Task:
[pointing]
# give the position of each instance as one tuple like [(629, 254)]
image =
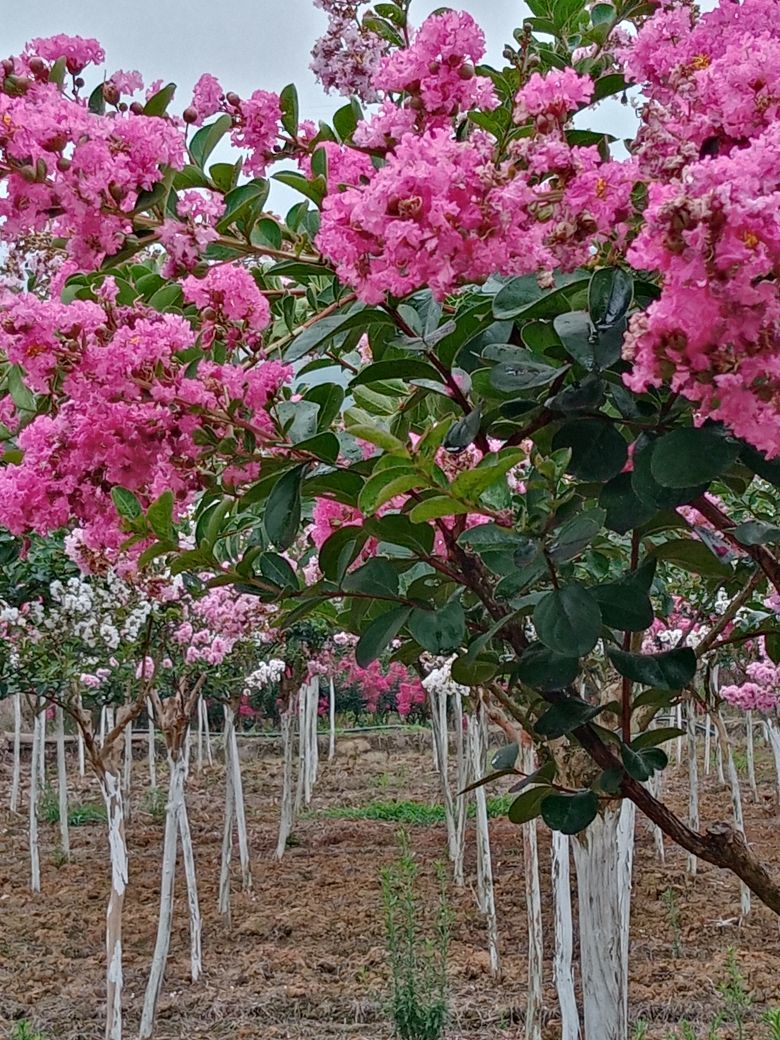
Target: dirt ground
[(305, 957)]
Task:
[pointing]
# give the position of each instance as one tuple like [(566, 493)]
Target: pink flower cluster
[(217, 622), (255, 119), (759, 692), (345, 57)]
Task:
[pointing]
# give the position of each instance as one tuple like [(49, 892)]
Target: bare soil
[(305, 956)]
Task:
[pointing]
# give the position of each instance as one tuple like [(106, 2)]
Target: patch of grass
[(24, 1031), (422, 814), (154, 803), (80, 815)]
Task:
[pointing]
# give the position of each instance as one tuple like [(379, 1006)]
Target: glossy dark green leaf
[(647, 488), (282, 514), (625, 510), (379, 634), (671, 670), (754, 532), (439, 631), (288, 103), (125, 503), (624, 605), (570, 813), (598, 451), (515, 296), (692, 555), (157, 104), (568, 620), (207, 138), (565, 716), (277, 570), (528, 805), (691, 456), (463, 431), (377, 577), (160, 517), (642, 764), (543, 669), (398, 529), (610, 293), (339, 550), (524, 373), (576, 333), (576, 534), (506, 757), (654, 737)]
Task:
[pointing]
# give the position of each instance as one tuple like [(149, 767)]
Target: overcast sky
[(245, 43)]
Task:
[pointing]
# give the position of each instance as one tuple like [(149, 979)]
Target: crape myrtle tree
[(496, 380)]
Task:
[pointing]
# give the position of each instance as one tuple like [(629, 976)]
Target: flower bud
[(79, 81), (28, 173), (110, 92), (190, 114), (137, 108), (63, 164), (233, 99), (466, 71), (37, 66)]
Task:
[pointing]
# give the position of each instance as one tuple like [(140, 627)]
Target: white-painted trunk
[(16, 779), (127, 772), (150, 745), (227, 838), (206, 731), (287, 807), (679, 741), (461, 780), (62, 784), (42, 750), (188, 858), (312, 754), (35, 863), (117, 845), (302, 740), (484, 861), (707, 744), (331, 720), (199, 760), (103, 724), (160, 956), (693, 780), (750, 751), (80, 739), (719, 757), (563, 972), (772, 731), (736, 802), (533, 897), (603, 858), (239, 811), (440, 735)]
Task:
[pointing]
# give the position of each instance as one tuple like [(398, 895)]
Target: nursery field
[(305, 956)]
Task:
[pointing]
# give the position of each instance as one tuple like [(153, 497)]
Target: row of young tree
[(489, 395)]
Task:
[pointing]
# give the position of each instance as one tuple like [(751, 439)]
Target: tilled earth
[(304, 957)]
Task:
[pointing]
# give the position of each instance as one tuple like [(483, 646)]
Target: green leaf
[(472, 482), (568, 620), (647, 488), (160, 517), (126, 504), (207, 138), (20, 393), (247, 200), (324, 446), (522, 374), (654, 737), (277, 570), (282, 515), (598, 451), (383, 486), (505, 757), (610, 293), (754, 532), (614, 83), (624, 605), (570, 813), (577, 335), (690, 456), (346, 119), (339, 550), (376, 577), (671, 670), (543, 669), (512, 298), (158, 103), (399, 368), (379, 633), (692, 555), (436, 507), (463, 431), (315, 188), (642, 764), (439, 631), (625, 510), (288, 102), (566, 716), (528, 805), (576, 534), (398, 529)]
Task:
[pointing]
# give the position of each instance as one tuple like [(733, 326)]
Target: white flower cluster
[(266, 672), (439, 680)]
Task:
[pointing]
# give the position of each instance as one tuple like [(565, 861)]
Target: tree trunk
[(302, 736), (736, 802), (35, 864), (533, 898), (286, 816), (461, 780), (199, 760), (603, 884), (188, 858), (42, 749), (157, 970), (127, 772), (112, 794), (227, 834), (485, 893), (693, 780), (773, 738), (750, 751), (707, 744), (150, 745), (17, 773), (62, 784), (206, 730), (239, 811), (331, 720), (564, 938), (80, 739)]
